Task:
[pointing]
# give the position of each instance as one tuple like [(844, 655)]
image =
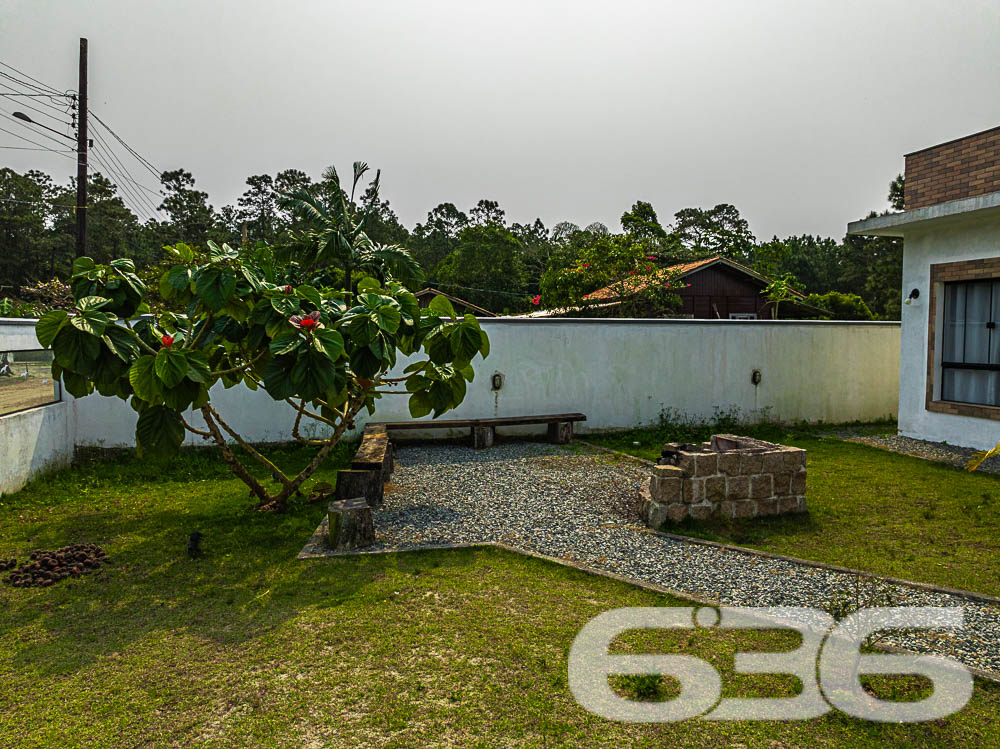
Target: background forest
[(475, 254)]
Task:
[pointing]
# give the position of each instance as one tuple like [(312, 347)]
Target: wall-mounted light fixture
[(756, 377), (914, 295), (496, 381)]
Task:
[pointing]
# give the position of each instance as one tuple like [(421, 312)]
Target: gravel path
[(939, 451), (578, 504)]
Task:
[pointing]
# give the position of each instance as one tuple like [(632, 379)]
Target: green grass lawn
[(869, 509), (250, 647)]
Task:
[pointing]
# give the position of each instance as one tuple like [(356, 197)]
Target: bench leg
[(483, 437), (561, 432), (360, 483)]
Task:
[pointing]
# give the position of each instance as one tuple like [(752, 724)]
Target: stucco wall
[(619, 373), (959, 239), (32, 442)]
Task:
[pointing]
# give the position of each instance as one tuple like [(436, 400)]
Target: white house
[(949, 382)]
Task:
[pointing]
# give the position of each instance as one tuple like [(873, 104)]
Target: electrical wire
[(29, 148), (141, 159), (25, 75), (24, 124), (36, 202), (109, 151), (36, 143), (36, 109), (137, 206)]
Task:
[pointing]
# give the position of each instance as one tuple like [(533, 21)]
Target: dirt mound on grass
[(49, 567)]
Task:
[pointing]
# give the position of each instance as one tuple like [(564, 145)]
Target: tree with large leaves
[(325, 358), (335, 233)]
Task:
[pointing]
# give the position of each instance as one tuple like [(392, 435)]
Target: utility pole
[(81, 156)]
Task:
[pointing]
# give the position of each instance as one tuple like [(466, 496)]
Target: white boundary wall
[(620, 373)]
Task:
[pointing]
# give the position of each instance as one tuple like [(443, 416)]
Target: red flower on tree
[(167, 340), (537, 299), (287, 289), (306, 322)]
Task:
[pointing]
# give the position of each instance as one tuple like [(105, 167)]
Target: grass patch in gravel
[(869, 509), (248, 646)]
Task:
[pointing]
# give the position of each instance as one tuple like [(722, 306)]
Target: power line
[(25, 75), (40, 111), (141, 159), (34, 142), (111, 153), (36, 202), (473, 288), (24, 124), (138, 207), (29, 148)]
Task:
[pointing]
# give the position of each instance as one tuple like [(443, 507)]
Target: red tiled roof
[(681, 270)]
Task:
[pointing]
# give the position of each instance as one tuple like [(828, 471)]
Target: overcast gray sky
[(796, 111)]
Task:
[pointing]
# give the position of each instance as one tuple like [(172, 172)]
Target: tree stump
[(483, 437), (352, 482), (561, 432), (351, 525)]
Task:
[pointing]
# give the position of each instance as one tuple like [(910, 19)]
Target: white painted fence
[(620, 373)]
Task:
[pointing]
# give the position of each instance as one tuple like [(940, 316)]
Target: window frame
[(967, 271)]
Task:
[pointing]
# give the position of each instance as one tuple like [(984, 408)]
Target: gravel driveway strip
[(577, 504)]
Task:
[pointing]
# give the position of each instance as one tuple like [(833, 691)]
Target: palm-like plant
[(334, 233)]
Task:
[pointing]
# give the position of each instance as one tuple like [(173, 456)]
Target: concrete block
[(761, 486)]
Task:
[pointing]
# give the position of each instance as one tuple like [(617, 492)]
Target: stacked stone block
[(732, 477)]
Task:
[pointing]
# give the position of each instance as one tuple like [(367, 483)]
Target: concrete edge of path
[(314, 550)]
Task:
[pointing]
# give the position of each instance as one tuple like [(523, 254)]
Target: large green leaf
[(77, 385), (159, 432), (76, 350), (89, 303), (198, 368), (420, 404), (328, 342), (277, 377), (182, 395), (439, 348), (174, 281), (286, 306), (171, 366), (121, 342), (215, 287), (93, 323), (365, 363), (441, 307), (48, 325), (465, 341), (83, 265), (387, 318), (310, 294), (143, 380), (313, 374), (286, 343)]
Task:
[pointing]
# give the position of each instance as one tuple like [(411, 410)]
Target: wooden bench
[(484, 430), (370, 468)]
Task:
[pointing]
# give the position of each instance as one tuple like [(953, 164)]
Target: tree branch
[(275, 471)]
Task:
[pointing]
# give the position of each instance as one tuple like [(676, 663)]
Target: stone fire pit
[(731, 477)]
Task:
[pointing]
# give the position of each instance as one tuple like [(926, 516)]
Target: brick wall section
[(958, 169), (731, 477)]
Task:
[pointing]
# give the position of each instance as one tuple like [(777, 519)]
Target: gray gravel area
[(578, 504), (939, 451)]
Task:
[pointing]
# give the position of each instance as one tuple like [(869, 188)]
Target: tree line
[(475, 254)]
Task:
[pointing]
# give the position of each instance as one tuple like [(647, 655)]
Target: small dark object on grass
[(49, 567), (194, 545), (7, 564)]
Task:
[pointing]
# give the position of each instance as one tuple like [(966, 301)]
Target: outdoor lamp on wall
[(497, 381), (914, 294)]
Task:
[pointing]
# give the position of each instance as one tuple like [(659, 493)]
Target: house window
[(970, 343), (963, 339)]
